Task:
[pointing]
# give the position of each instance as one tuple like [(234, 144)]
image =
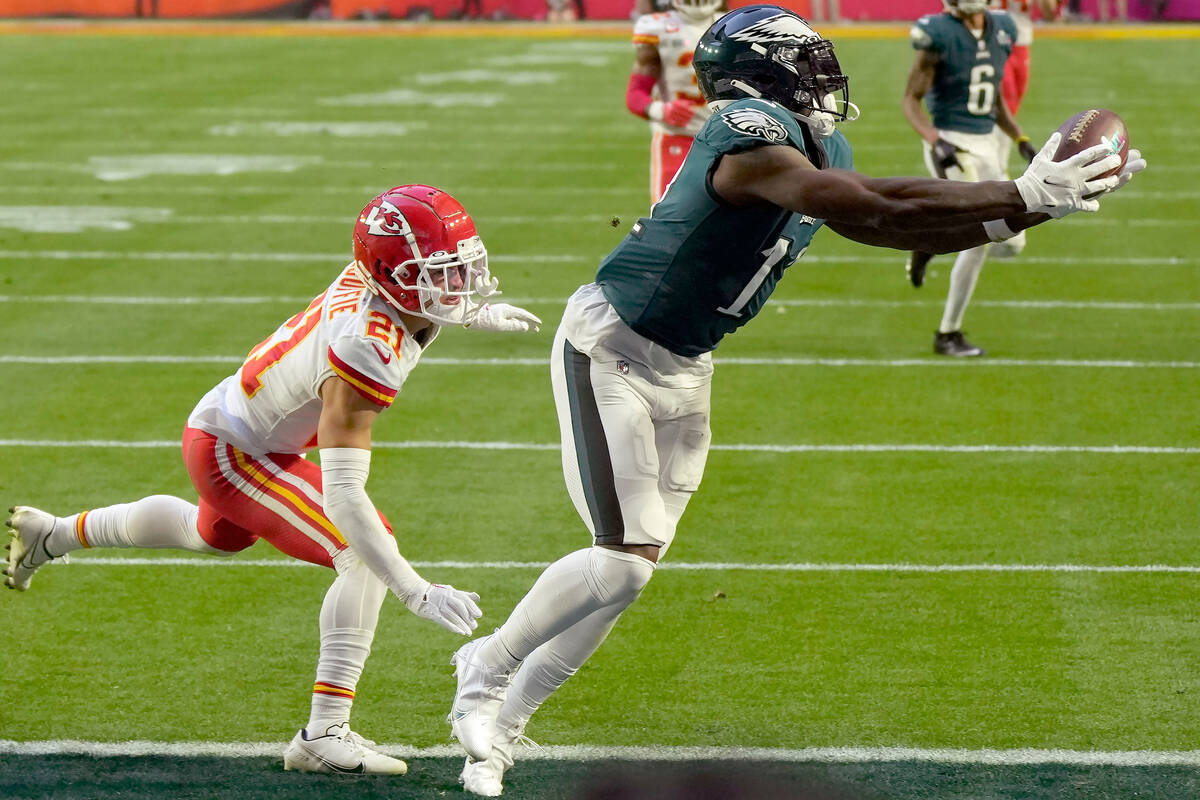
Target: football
[(1092, 127)]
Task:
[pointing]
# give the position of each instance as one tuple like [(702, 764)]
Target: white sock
[(570, 590), (159, 521), (549, 666), (962, 283), (349, 615)]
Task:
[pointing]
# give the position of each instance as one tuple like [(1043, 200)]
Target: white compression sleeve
[(344, 484)]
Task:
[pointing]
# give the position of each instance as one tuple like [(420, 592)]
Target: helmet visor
[(820, 84)]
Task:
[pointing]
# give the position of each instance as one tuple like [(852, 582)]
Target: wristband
[(997, 230)]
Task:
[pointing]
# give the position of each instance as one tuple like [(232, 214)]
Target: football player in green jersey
[(632, 360), (958, 68)]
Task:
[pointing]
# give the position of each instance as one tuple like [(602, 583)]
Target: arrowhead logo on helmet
[(386, 220)]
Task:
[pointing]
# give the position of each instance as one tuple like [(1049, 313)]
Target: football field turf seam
[(286, 563), (1032, 449), (825, 755), (785, 361)]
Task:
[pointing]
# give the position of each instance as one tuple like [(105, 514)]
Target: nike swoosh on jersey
[(383, 354)]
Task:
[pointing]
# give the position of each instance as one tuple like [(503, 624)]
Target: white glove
[(1133, 165), (505, 318), (453, 609), (1059, 188)]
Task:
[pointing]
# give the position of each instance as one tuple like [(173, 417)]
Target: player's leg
[(155, 522), (672, 151), (279, 498), (611, 470), (977, 160), (682, 446)]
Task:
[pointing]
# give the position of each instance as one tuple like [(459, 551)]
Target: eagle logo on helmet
[(386, 220), (779, 28), (755, 123)]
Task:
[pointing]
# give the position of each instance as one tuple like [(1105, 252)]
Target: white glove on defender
[(505, 318), (453, 609), (1059, 188)]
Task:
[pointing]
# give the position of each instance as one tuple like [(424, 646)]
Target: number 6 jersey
[(272, 403)]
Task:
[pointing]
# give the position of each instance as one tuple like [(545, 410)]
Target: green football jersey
[(966, 81), (698, 268)]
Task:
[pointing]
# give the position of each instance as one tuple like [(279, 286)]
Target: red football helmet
[(417, 248)]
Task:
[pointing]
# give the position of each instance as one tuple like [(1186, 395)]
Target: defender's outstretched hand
[(453, 609), (505, 318), (1059, 188)]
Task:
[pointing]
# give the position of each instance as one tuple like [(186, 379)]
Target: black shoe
[(914, 268), (955, 344)]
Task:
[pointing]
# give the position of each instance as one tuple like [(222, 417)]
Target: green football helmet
[(770, 52)]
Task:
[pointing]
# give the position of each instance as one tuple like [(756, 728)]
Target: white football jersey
[(676, 40), (1020, 12), (272, 403)]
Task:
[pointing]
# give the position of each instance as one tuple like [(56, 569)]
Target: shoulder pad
[(754, 119)]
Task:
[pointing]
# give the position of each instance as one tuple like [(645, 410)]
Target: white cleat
[(486, 778), (339, 750), (477, 700), (29, 528)]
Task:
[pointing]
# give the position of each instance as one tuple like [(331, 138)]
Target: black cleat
[(955, 344), (914, 268)]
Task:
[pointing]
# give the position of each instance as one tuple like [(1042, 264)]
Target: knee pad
[(616, 577)]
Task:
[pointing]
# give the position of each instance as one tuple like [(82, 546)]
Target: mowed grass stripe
[(829, 755), (524, 258), (1033, 449), (683, 566), (785, 361), (800, 302)]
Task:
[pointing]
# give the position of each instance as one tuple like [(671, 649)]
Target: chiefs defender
[(662, 86), (320, 380)]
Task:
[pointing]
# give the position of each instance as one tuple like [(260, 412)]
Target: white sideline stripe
[(741, 448), (823, 755), (183, 255), (1108, 305), (542, 362), (117, 561)]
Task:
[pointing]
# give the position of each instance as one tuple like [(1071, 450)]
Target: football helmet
[(416, 247), (965, 8), (771, 52), (698, 11)]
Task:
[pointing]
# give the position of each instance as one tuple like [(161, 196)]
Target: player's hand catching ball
[(453, 609), (679, 113), (1059, 188)]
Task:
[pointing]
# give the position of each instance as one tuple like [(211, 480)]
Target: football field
[(903, 576)]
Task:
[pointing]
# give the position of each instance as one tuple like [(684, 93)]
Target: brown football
[(1092, 127)]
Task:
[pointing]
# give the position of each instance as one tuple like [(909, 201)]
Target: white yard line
[(799, 302), (781, 361), (587, 753), (1039, 449), (289, 563), (524, 258)]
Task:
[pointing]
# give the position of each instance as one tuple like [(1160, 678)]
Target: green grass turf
[(960, 660)]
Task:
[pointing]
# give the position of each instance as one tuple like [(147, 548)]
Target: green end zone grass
[(1082, 661)]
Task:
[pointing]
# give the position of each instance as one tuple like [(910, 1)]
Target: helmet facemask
[(965, 8), (449, 288), (699, 12), (807, 80)]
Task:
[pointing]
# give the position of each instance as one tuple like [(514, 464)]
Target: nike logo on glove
[(383, 353)]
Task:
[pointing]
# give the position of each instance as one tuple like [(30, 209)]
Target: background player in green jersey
[(958, 68), (632, 361)]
